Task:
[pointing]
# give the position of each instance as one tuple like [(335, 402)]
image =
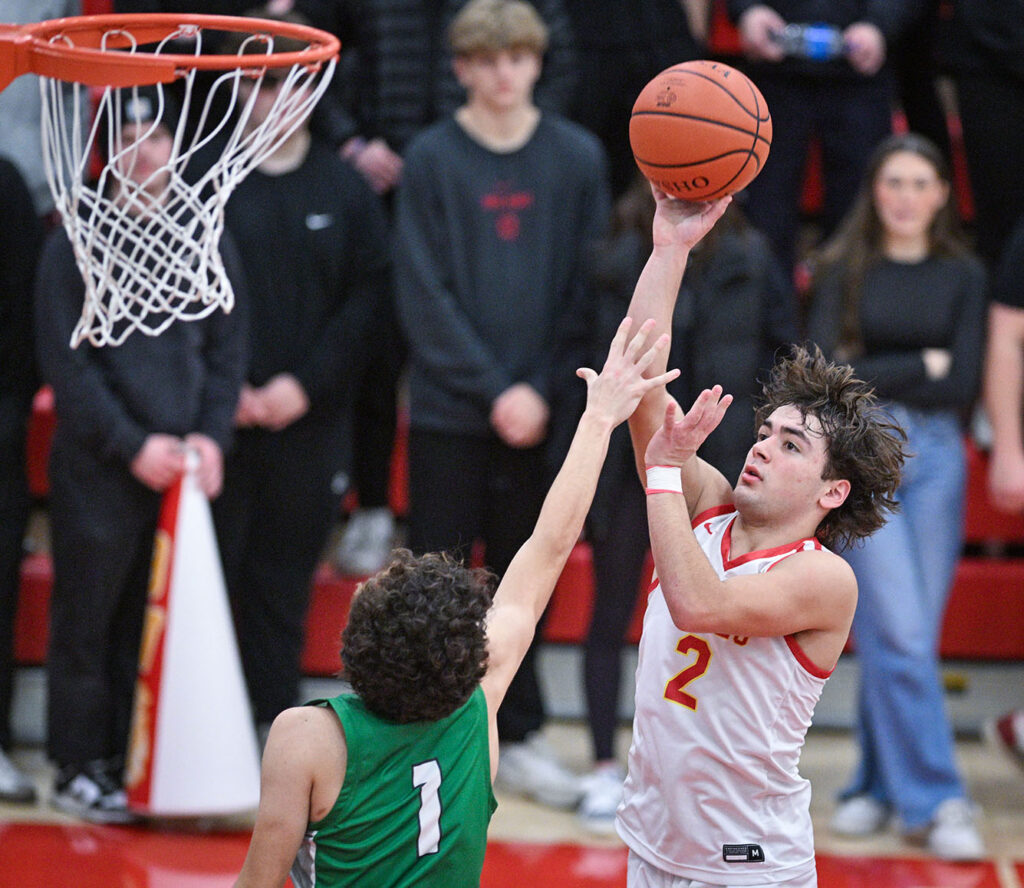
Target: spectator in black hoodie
[(125, 417)]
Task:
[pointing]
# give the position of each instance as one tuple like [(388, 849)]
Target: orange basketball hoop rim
[(85, 49)]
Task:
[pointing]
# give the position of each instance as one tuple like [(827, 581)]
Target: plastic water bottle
[(819, 42)]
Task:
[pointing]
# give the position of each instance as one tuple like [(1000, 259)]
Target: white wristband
[(664, 479)]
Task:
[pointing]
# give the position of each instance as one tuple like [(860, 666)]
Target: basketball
[(700, 130)]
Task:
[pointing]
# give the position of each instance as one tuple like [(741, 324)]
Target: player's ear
[(836, 492)]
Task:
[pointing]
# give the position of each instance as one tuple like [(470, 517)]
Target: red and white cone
[(193, 749)]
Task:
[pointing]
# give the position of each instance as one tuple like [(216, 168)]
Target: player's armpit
[(295, 750)]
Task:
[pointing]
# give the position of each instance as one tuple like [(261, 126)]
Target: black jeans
[(14, 510), (992, 116), (464, 488), (619, 551), (102, 523), (849, 118), (272, 520)]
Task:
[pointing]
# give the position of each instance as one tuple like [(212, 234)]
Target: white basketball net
[(146, 262)]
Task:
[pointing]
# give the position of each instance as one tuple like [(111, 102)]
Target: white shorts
[(641, 874)]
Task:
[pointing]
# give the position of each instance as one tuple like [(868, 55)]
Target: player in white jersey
[(749, 610)]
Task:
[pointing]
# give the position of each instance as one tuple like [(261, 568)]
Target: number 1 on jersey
[(427, 776)]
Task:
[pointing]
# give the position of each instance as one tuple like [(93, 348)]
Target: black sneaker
[(90, 792)]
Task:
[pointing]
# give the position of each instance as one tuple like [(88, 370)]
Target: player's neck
[(289, 155), (500, 130), (756, 533)]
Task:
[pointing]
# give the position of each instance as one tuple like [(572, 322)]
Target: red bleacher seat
[(984, 524), (985, 615), (31, 626), (984, 620), (41, 424), (329, 603)]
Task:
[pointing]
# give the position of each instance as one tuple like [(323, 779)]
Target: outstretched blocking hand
[(677, 440), (615, 392), (683, 223)]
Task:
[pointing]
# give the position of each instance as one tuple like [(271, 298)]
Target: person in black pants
[(125, 417), (20, 239), (312, 237), (497, 206), (398, 80), (984, 52), (1002, 391), (844, 98)]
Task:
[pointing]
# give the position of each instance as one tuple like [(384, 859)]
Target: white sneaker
[(365, 544), (531, 769), (953, 834), (602, 793), (15, 785), (859, 816)]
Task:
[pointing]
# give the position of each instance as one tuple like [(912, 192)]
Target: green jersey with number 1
[(414, 806)]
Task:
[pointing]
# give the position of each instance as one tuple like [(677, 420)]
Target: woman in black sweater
[(897, 294)]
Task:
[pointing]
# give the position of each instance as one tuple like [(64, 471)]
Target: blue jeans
[(904, 574)]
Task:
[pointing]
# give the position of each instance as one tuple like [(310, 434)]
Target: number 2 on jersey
[(674, 689), (427, 776)]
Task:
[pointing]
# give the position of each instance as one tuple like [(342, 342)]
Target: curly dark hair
[(415, 645), (865, 445)]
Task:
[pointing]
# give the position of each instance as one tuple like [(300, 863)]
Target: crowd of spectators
[(319, 402)]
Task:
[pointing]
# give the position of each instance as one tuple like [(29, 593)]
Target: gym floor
[(529, 844)]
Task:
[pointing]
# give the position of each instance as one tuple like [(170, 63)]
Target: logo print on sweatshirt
[(506, 204)]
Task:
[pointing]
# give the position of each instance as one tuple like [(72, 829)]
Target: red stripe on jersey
[(713, 512), (785, 549), (804, 660)]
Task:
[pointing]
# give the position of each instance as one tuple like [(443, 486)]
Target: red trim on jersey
[(804, 660), (785, 549), (713, 512)]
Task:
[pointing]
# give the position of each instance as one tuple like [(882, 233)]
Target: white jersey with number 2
[(713, 792)]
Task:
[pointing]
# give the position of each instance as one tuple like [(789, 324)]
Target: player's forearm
[(689, 583), (568, 501), (530, 579), (656, 292)]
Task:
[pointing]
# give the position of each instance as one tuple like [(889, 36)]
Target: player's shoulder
[(315, 728), (822, 567), (311, 716)]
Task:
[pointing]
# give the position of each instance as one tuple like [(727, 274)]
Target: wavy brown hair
[(415, 646), (865, 445)]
